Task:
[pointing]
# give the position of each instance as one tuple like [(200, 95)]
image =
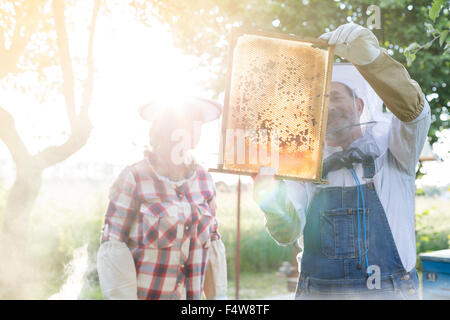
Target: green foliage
[(28, 47), (430, 240), (420, 192), (432, 191), (254, 285), (432, 225), (440, 33), (436, 8), (61, 223), (259, 252)]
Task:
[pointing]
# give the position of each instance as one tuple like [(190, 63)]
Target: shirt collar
[(150, 156)]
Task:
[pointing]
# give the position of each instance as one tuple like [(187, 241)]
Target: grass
[(258, 285), (251, 286), (438, 213), (259, 252)]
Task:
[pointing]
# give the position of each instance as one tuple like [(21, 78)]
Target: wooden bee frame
[(276, 83)]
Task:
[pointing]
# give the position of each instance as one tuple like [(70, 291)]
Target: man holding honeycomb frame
[(357, 231)]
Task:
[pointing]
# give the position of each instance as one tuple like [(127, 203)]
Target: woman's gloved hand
[(116, 271), (354, 43)]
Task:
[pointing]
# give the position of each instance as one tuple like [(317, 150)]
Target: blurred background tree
[(34, 44), (202, 28), (438, 30)]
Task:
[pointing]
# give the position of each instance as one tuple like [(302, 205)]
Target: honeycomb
[(276, 97)]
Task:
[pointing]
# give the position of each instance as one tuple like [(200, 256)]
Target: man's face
[(343, 112)]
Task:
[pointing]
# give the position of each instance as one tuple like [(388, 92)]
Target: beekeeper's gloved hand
[(354, 43), (264, 183)]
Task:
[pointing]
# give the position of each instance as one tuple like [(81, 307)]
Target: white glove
[(215, 285), (116, 271), (354, 43), (263, 183)]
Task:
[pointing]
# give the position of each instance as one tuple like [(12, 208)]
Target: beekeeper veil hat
[(192, 108), (373, 120), (347, 74), (179, 115)]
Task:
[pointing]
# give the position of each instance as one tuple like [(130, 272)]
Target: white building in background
[(65, 171), (79, 171)]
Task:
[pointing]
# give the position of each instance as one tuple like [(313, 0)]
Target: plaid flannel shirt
[(168, 229)]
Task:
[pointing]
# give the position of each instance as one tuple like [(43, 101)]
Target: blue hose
[(360, 190)]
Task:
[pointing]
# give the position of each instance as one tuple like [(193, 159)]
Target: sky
[(134, 63)]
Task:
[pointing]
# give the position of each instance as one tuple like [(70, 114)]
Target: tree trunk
[(17, 276), (17, 273), (21, 199)]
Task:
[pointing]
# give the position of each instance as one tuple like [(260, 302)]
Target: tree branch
[(89, 83), (12, 140), (81, 126), (27, 21), (52, 155), (66, 61)]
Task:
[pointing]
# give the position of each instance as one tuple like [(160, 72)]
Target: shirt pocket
[(204, 223), (338, 232), (160, 225)]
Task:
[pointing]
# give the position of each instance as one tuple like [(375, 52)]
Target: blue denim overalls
[(334, 262)]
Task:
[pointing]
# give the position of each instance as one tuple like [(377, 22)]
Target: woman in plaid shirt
[(161, 219)]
